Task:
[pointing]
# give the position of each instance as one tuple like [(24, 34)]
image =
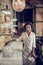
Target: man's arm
[(21, 37), (34, 46)]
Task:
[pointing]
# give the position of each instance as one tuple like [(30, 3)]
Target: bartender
[(28, 38)]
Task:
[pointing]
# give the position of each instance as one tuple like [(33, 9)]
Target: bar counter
[(12, 54)]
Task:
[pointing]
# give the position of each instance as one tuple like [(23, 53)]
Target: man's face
[(28, 28)]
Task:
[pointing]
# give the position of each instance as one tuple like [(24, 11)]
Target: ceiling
[(32, 1)]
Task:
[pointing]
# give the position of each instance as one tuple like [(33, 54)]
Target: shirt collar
[(29, 35)]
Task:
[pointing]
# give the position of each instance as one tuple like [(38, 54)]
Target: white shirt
[(29, 41)]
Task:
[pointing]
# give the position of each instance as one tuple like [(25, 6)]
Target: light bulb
[(18, 5)]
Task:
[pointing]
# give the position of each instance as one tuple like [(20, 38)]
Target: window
[(39, 20)]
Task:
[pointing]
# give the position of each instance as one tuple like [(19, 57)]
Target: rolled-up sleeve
[(34, 41)]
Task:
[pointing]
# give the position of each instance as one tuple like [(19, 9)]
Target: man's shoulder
[(32, 33), (24, 33)]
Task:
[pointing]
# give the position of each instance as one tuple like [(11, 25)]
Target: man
[(28, 38)]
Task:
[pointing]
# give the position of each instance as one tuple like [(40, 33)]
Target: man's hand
[(33, 55), (17, 40)]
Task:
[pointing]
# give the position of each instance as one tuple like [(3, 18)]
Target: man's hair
[(29, 23)]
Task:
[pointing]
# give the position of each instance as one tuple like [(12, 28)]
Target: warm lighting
[(6, 12), (23, 24), (18, 5)]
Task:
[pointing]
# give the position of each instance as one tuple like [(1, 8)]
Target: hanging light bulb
[(18, 5)]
